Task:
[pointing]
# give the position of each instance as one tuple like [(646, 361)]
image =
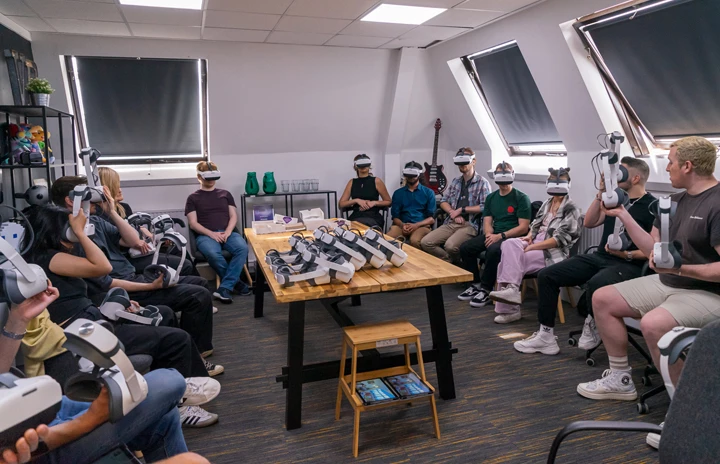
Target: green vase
[(269, 185), (251, 184)]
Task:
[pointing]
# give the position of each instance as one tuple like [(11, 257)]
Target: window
[(508, 90), (660, 63), (139, 110)]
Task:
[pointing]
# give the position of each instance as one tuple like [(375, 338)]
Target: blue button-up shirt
[(478, 190), (413, 206)]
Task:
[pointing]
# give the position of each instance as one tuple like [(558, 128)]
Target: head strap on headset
[(363, 161), (210, 174), (412, 169), (505, 176), (90, 157), (170, 276), (558, 186), (462, 157)]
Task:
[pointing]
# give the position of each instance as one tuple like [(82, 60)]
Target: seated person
[(81, 432), (366, 194), (506, 214), (413, 207), (552, 234), (463, 201), (212, 215), (190, 296), (688, 295), (111, 179), (604, 267)]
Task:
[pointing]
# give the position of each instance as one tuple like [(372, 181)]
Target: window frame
[(75, 93), (536, 149)]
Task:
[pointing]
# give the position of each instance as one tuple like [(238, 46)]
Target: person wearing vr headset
[(594, 270), (212, 215), (552, 234), (686, 289), (190, 296), (365, 194), (413, 207), (463, 201), (506, 214)]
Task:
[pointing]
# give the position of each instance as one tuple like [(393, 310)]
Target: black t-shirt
[(696, 225), (107, 238), (640, 212), (73, 297)]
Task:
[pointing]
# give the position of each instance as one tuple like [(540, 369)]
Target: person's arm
[(128, 235), (487, 226), (594, 216), (138, 286), (520, 230), (195, 226), (395, 210), (708, 272), (94, 264), (636, 254), (643, 240), (232, 221), (384, 195), (345, 201), (567, 232)]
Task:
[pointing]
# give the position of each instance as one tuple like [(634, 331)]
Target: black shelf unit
[(45, 113), (289, 210)]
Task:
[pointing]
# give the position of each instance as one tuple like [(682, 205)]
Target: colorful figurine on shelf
[(25, 147), (38, 136)]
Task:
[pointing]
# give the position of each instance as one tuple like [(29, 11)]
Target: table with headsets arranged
[(420, 270)]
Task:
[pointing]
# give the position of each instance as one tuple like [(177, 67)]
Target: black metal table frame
[(290, 211), (296, 373)]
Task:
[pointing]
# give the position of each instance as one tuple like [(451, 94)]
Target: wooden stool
[(371, 336)]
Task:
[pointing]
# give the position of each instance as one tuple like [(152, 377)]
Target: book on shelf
[(381, 390)]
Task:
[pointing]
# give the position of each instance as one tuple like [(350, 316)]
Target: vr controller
[(392, 249), (672, 347), (116, 307), (667, 254), (170, 276), (138, 221)]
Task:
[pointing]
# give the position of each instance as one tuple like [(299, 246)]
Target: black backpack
[(534, 208)]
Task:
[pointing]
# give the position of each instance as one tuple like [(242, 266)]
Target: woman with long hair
[(111, 179), (365, 194)]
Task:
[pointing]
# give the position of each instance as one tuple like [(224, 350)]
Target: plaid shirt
[(478, 190), (564, 228)]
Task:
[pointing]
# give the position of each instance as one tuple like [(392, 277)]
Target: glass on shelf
[(315, 185), (306, 185), (285, 185), (297, 185)]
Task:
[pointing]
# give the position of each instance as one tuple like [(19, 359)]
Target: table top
[(420, 270)]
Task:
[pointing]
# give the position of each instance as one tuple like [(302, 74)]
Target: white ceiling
[(307, 22)]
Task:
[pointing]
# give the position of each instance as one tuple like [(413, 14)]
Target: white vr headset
[(412, 171), (375, 257), (337, 266), (116, 308), (170, 276), (558, 187), (506, 175), (140, 221), (81, 197), (310, 273), (210, 174), (363, 161), (462, 158), (161, 224), (392, 249), (667, 254), (90, 156), (330, 242), (673, 346), (26, 404)]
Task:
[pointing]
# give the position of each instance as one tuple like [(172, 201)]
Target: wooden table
[(421, 270)]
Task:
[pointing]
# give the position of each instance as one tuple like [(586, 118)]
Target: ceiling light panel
[(183, 4), (402, 14)]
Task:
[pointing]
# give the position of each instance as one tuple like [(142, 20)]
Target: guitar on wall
[(434, 175)]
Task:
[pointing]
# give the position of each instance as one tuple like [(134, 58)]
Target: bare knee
[(655, 324), (602, 301)]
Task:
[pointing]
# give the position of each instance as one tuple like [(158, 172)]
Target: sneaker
[(215, 310), (653, 439), (469, 293), (244, 291), (614, 385), (200, 390), (196, 417), (508, 317), (590, 337), (207, 354), (536, 343), (213, 369), (480, 300), (509, 295), (224, 295)]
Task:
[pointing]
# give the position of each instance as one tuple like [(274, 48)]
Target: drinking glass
[(296, 185), (306, 185), (285, 184), (315, 183)]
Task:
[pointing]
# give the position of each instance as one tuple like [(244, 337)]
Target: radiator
[(589, 238)]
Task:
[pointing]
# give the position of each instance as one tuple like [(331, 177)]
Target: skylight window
[(401, 14), (183, 4)]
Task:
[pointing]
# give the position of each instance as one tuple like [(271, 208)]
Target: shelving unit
[(12, 113)]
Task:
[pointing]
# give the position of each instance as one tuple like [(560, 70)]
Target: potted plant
[(40, 90)]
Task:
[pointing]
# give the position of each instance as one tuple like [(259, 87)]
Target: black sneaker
[(243, 290), (481, 299), (469, 293), (224, 295), (213, 369)]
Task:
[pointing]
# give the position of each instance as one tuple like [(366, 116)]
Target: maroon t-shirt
[(211, 207)]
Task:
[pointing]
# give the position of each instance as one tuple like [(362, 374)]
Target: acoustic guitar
[(434, 174)]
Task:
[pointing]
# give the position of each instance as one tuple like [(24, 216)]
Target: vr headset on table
[(558, 186), (372, 255), (462, 158), (505, 176), (392, 249), (337, 267), (210, 174), (363, 161), (331, 242)]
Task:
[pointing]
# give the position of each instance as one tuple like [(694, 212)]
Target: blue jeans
[(153, 427), (229, 272)]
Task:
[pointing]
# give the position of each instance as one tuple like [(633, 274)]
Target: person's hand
[(99, 410), (217, 236), (411, 228), (527, 238), (134, 307), (77, 223), (143, 246), (157, 284), (602, 183), (612, 212), (405, 228), (24, 447), (364, 205), (33, 306), (492, 238), (459, 220), (531, 247), (185, 458), (673, 271), (109, 204), (455, 213), (613, 252)]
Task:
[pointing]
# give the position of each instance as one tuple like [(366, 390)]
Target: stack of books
[(384, 389)]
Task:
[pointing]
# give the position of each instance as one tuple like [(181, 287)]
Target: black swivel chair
[(345, 212)]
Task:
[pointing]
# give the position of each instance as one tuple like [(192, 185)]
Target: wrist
[(16, 324)]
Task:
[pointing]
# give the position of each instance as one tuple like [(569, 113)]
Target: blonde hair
[(203, 166), (699, 151), (111, 179)]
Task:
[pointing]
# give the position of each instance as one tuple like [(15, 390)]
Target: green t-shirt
[(506, 210)]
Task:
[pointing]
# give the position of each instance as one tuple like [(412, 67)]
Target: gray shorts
[(690, 308)]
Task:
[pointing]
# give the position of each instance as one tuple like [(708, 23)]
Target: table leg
[(296, 340), (355, 300), (259, 289), (441, 342)]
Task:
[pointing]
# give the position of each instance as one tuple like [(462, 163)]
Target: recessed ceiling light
[(184, 4), (401, 14)]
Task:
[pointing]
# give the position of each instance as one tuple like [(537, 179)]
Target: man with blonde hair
[(686, 295)]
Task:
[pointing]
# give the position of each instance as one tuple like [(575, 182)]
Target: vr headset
[(330, 242), (90, 156), (412, 171), (392, 249), (372, 255), (25, 404), (116, 308), (337, 267), (667, 254), (673, 346), (310, 273), (210, 174), (81, 197), (363, 161), (138, 221), (462, 158), (505, 176), (558, 187), (170, 276), (614, 173), (161, 224)]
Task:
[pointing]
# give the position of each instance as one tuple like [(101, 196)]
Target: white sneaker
[(509, 295), (200, 390), (196, 417), (215, 310), (536, 343), (507, 318), (653, 439), (614, 385), (590, 337)]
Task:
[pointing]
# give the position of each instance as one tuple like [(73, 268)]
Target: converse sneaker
[(653, 439), (480, 300), (469, 293), (196, 417), (207, 354), (507, 317), (213, 369), (536, 343), (215, 310), (200, 390), (509, 295), (590, 337), (614, 385)]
